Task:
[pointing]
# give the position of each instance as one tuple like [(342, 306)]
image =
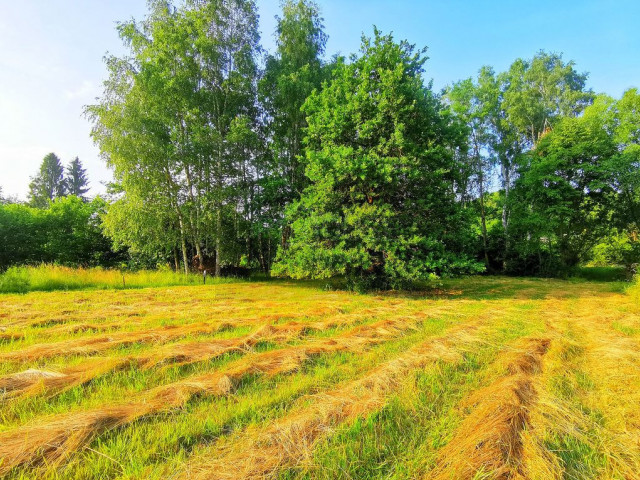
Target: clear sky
[(51, 56)]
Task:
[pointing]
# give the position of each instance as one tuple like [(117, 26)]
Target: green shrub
[(15, 280)]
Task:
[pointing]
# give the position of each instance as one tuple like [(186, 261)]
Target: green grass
[(47, 278), (602, 274), (402, 439)]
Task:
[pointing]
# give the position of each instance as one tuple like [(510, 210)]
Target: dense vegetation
[(313, 167)]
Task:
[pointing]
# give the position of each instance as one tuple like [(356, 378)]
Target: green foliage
[(68, 233), (613, 249), (602, 274), (573, 188), (380, 208), (634, 289), (560, 200), (177, 124), (48, 184), (15, 280), (541, 91), (76, 181)]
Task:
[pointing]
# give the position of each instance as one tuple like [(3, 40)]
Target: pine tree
[(381, 205)]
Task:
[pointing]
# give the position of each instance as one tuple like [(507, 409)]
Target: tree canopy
[(381, 206), (307, 165)]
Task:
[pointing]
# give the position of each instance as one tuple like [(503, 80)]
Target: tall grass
[(54, 277), (634, 289)]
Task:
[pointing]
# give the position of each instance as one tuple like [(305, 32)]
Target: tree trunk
[(218, 243), (483, 219), (505, 212), (183, 243)]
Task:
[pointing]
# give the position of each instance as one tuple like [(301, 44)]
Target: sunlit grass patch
[(54, 277), (257, 357)]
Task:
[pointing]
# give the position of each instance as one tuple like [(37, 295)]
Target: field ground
[(484, 378)]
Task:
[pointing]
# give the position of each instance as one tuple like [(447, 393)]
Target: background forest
[(311, 166)]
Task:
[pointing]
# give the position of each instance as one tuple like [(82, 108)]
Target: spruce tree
[(49, 183), (76, 181)]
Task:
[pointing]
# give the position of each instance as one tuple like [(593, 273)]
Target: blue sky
[(51, 56)]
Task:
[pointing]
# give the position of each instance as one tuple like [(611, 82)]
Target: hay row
[(97, 344), (490, 438), (260, 453), (610, 363), (35, 381), (7, 337), (54, 439)]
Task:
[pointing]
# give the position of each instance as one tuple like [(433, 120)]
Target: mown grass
[(585, 419)]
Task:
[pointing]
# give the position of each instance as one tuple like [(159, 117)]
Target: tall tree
[(540, 91), (227, 47), (49, 183), (562, 199), (469, 102), (381, 205), (76, 181), (167, 119), (291, 74)]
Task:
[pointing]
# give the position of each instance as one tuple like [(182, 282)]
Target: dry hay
[(29, 383), (18, 384), (10, 337), (34, 381), (290, 441), (602, 413), (92, 345), (54, 439), (490, 438)]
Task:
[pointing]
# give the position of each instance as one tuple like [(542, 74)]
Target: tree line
[(55, 181), (311, 166), (58, 223)]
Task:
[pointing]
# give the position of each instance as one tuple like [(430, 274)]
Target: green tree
[(471, 103), (169, 115), (49, 183), (541, 91), (290, 76), (76, 181), (565, 193), (381, 206), (67, 232)]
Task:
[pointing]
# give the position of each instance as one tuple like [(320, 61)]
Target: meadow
[(480, 378)]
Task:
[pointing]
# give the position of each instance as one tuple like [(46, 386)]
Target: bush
[(15, 280)]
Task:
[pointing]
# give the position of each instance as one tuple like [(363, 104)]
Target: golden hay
[(489, 439), (92, 345), (54, 439), (10, 337), (18, 384), (33, 382), (289, 441)]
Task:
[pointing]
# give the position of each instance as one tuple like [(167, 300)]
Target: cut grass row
[(341, 343), (414, 415)]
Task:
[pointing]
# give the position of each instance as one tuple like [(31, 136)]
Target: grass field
[(484, 378)]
